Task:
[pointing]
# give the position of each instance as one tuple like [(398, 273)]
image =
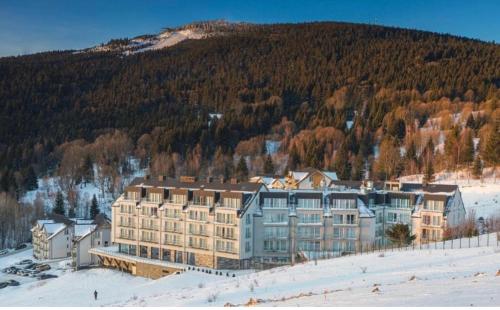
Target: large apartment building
[(206, 223), (227, 225)]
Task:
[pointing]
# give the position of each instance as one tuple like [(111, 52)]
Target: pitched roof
[(174, 183), (430, 188)]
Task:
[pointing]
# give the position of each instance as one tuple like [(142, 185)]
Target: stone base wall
[(228, 263), (204, 260)]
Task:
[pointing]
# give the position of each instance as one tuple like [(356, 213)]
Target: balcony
[(128, 225), (198, 233), (227, 250), (176, 230), (151, 240), (172, 242), (226, 236), (127, 237), (150, 227), (199, 246)]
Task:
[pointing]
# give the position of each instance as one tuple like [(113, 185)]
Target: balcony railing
[(172, 242), (146, 239), (129, 225), (150, 227), (128, 237), (226, 236)]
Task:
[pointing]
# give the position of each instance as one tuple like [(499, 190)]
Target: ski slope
[(460, 277)]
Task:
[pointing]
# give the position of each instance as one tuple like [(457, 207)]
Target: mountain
[(315, 86), (169, 37)]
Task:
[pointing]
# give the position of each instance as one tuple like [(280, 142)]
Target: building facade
[(237, 225), (96, 233), (205, 223)]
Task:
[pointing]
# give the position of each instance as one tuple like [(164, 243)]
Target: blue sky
[(28, 26)]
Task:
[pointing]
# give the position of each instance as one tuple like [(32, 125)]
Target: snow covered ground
[(460, 277)]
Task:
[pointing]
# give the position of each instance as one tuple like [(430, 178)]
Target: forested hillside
[(339, 96)]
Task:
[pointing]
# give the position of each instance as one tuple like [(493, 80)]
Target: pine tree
[(400, 234), (293, 158), (94, 208), (88, 170), (477, 168), (268, 165), (71, 212), (59, 204), (242, 169), (491, 148)]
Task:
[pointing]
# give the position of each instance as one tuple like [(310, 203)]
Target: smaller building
[(59, 237), (52, 237), (97, 233)]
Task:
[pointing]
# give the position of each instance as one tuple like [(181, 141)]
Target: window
[(400, 202), (225, 218), (224, 246), (338, 232), (338, 219), (247, 232), (224, 232), (309, 218), (304, 245), (426, 219), (343, 204), (351, 219), (248, 219), (275, 218), (275, 232), (309, 232), (276, 245), (436, 220), (275, 203), (180, 199), (234, 203), (392, 217), (173, 213), (155, 197), (247, 246), (434, 205), (198, 215), (309, 203)]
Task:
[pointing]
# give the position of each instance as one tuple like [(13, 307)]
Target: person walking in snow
[(95, 295)]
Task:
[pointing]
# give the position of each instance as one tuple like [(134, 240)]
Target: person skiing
[(95, 295)]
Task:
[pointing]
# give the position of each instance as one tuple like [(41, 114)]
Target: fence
[(482, 240)]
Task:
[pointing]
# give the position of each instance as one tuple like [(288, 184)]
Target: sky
[(29, 26)]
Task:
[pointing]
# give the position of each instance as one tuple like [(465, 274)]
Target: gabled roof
[(52, 229), (83, 230)]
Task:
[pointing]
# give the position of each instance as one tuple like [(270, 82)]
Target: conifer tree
[(242, 169), (293, 158), (88, 170), (268, 165), (94, 208), (59, 204), (491, 148)]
